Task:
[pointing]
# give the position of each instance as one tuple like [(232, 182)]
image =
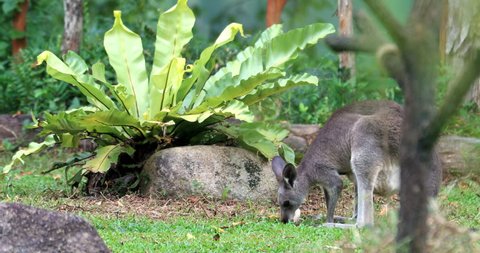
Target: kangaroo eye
[(286, 204)]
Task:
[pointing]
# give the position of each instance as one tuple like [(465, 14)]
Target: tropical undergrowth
[(175, 101)]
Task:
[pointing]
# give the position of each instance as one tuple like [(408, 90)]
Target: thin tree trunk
[(346, 59), (19, 23), (274, 11), (462, 33), (73, 25)]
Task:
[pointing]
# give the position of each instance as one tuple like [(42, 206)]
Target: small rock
[(303, 129), (298, 144), (29, 229)]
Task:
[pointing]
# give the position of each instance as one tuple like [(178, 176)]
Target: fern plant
[(24, 88), (176, 100)]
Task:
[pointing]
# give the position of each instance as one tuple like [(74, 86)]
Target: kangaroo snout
[(287, 217)]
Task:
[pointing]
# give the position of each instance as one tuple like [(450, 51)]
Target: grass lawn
[(199, 224)]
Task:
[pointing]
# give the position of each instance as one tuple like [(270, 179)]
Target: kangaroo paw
[(339, 225), (336, 219), (341, 219)]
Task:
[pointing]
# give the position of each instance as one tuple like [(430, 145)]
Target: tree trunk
[(413, 62), (19, 23), (274, 11), (462, 32), (346, 59), (73, 25), (416, 163)]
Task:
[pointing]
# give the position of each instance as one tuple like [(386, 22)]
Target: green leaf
[(71, 161), (75, 62), (174, 31), (232, 68), (200, 73), (78, 122), (119, 91), (272, 132), (106, 156), (278, 86), (237, 109), (265, 138), (98, 72), (274, 53), (165, 86), (10, 5), (287, 153), (33, 147), (69, 140), (111, 119), (265, 147), (254, 65), (63, 122), (267, 35), (59, 70), (229, 88), (284, 47), (125, 53)]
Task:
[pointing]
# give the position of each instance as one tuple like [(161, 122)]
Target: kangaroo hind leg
[(366, 165)]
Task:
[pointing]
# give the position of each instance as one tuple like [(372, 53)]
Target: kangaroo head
[(289, 198)]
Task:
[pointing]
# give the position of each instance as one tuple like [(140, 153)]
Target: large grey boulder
[(29, 229), (214, 171)]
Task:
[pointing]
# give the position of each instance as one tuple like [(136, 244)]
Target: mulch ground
[(163, 208)]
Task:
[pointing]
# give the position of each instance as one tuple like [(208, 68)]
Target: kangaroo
[(361, 141)]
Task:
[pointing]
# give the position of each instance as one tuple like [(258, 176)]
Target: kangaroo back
[(350, 126)]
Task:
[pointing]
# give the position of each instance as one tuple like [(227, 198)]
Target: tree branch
[(459, 87), (390, 58), (394, 29), (366, 27), (369, 39), (349, 44)]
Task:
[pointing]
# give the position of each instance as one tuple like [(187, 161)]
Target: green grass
[(246, 231), (133, 233), (465, 123), (136, 234), (461, 202)]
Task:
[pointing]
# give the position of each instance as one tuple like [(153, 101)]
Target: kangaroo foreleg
[(332, 192)]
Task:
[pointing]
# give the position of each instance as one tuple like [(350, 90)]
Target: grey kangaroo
[(361, 141)]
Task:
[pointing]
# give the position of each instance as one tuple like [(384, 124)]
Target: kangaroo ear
[(289, 174), (278, 164)]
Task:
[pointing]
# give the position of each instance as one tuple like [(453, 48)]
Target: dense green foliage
[(141, 17), (465, 123), (22, 85), (140, 110), (25, 88), (314, 105)]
